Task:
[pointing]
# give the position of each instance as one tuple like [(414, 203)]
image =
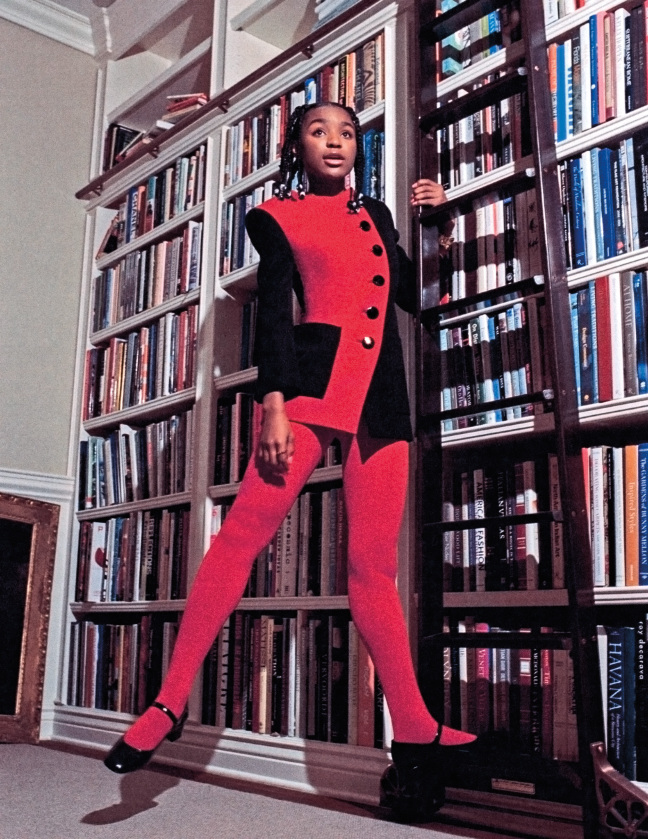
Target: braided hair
[(292, 164)]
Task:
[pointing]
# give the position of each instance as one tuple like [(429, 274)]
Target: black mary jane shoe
[(413, 786), (123, 758)]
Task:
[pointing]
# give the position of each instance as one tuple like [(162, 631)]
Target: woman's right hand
[(277, 441)]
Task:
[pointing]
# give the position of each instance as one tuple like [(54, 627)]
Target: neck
[(328, 187)]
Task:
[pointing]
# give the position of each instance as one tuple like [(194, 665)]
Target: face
[(328, 142)]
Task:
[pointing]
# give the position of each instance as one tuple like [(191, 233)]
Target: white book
[(531, 529), (482, 253), (589, 216), (620, 16), (550, 10), (97, 569), (498, 239), (597, 515), (292, 677), (602, 643)]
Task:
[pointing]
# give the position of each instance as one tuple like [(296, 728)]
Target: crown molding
[(51, 20)]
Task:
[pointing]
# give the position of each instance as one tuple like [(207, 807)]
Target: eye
[(348, 135), (317, 132)]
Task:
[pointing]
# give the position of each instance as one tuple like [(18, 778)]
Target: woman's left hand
[(427, 193)]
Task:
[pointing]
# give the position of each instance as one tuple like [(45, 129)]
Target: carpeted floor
[(50, 794)]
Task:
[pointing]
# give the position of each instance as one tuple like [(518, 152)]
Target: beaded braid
[(291, 162)]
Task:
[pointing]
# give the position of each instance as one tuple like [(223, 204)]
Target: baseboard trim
[(328, 769)]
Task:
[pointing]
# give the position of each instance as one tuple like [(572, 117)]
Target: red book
[(603, 338), (483, 681)]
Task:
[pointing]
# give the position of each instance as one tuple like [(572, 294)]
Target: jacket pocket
[(316, 346)]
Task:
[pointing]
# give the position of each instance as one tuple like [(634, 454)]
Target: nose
[(333, 140)]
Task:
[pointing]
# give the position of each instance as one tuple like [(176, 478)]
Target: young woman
[(339, 373)]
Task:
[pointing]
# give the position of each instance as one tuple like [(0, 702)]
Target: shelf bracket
[(308, 50), (623, 806), (224, 105)]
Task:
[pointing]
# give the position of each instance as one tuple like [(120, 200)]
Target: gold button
[(368, 342)]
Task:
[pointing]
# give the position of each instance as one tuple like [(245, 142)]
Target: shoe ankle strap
[(166, 711)]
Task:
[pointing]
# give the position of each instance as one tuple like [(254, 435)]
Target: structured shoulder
[(264, 229), (381, 214)]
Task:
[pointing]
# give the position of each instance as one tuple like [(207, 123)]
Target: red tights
[(375, 481)]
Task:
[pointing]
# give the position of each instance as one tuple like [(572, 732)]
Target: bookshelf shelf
[(132, 607), (505, 599), (111, 510), (478, 71), (629, 409), (621, 596), (606, 132), (324, 475), (626, 262), (144, 413), (495, 179), (499, 432), (566, 24), (265, 173), (145, 317), (158, 233), (242, 279), (191, 73), (235, 381), (294, 604), (279, 22)]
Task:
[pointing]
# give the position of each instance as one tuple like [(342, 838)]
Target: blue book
[(607, 202), (641, 698), (643, 513), (629, 710), (594, 50), (593, 341), (573, 307), (598, 216), (578, 220), (640, 310), (369, 149), (561, 94), (494, 32), (615, 696)]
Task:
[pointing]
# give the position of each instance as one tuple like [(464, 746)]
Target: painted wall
[(47, 95)]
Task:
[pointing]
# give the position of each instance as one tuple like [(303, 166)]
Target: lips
[(334, 158)]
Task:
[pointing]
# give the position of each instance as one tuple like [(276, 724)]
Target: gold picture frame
[(35, 550)]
